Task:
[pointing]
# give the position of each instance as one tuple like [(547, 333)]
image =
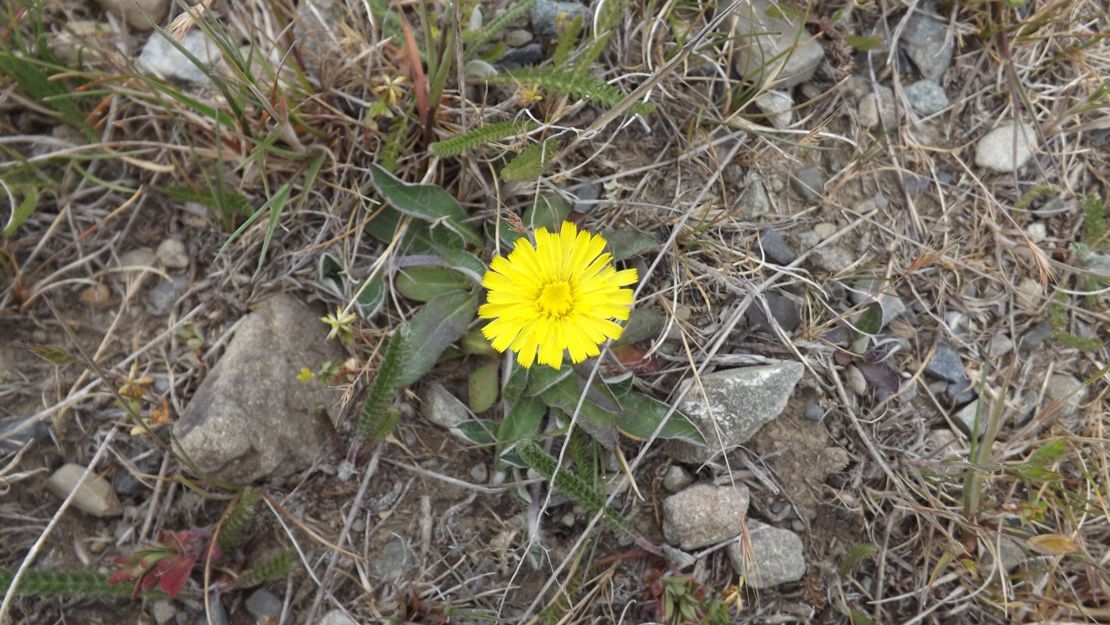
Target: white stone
[(1007, 147), (163, 59), (777, 105), (94, 496), (172, 254)]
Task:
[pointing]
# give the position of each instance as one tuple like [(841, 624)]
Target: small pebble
[(809, 182), (95, 495), (855, 381), (96, 296), (518, 37), (172, 254), (814, 412), (926, 97), (479, 473), (676, 478)]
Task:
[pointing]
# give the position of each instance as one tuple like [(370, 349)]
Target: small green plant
[(378, 415), (65, 584)]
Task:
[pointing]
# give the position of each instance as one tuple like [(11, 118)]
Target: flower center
[(556, 299)]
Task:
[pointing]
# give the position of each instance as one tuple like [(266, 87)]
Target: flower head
[(561, 294)]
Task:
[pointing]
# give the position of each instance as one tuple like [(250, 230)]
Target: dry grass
[(293, 117)]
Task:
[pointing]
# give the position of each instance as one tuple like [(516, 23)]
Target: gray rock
[(704, 514), (316, 30), (946, 364), (523, 56), (814, 412), (1068, 391), (137, 260), (784, 310), (547, 16), (676, 478), (754, 201), (679, 558), (251, 417), (139, 14), (1036, 336), (163, 611), (775, 247), (878, 107), (479, 473), (477, 68), (439, 406), (586, 195), (774, 47), (999, 346), (262, 604), (518, 37), (161, 298), (777, 105), (172, 254), (218, 614), (966, 417), (777, 557), (163, 59), (926, 97), (40, 431), (809, 182), (739, 402), (337, 617), (1006, 148), (925, 39), (94, 495), (394, 559)]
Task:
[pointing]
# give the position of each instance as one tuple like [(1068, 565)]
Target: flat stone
[(263, 604), (925, 39), (163, 611), (251, 417), (946, 364), (776, 105), (524, 56), (878, 107), (392, 561), (163, 59), (777, 556), (676, 478), (965, 418), (1068, 391), (785, 311), (337, 617), (439, 406), (809, 182), (999, 346), (775, 247), (139, 14), (926, 97), (774, 47), (704, 514), (161, 298), (316, 29), (518, 37), (738, 402), (137, 261), (548, 17), (172, 254), (754, 201), (94, 496), (1006, 148)]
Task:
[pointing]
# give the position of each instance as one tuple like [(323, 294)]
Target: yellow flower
[(562, 294)]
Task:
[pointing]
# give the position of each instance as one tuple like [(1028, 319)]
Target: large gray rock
[(738, 402), (316, 28), (777, 556), (549, 16), (927, 43), (1006, 148), (704, 514), (774, 46), (94, 496), (251, 417), (164, 59)]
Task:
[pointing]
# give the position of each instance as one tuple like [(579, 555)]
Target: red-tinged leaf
[(416, 70), (1053, 544)]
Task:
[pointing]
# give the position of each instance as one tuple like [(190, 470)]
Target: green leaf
[(25, 209), (518, 382), (477, 431), (330, 275), (441, 321), (640, 415), (424, 283), (530, 163), (644, 323), (277, 205), (482, 386), (522, 422), (871, 320), (464, 262), (565, 395), (863, 43), (1046, 454), (625, 244), (371, 298), (427, 202), (475, 343), (549, 211), (856, 555)]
